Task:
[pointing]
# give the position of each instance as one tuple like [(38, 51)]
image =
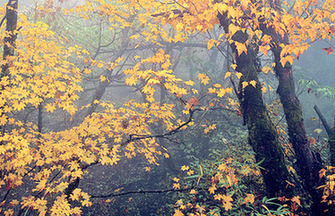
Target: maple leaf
[(76, 194), (193, 101), (177, 212), (211, 90), (176, 186), (238, 74), (221, 92), (244, 84), (250, 198), (204, 78), (210, 44), (212, 189), (226, 201), (227, 75), (329, 50), (263, 89), (189, 83), (241, 48), (190, 172), (184, 168), (253, 83), (296, 199)]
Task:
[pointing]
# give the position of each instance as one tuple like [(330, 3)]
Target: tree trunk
[(9, 43), (262, 134), (308, 164)]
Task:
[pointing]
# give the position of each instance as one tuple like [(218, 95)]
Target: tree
[(44, 71)]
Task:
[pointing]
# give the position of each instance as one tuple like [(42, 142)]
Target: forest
[(167, 107)]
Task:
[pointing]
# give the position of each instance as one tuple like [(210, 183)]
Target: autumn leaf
[(329, 50), (210, 43), (193, 101), (177, 212), (227, 75), (238, 75), (212, 189), (204, 78), (250, 198), (176, 186), (296, 199), (244, 84), (253, 83), (184, 168)]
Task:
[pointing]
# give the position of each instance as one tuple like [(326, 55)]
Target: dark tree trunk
[(9, 42), (262, 134), (11, 25), (308, 164)]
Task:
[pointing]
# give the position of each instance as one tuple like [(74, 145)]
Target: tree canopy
[(54, 58)]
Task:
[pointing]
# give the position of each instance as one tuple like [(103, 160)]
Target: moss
[(262, 134)]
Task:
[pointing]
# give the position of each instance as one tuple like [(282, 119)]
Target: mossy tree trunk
[(308, 164), (262, 134)]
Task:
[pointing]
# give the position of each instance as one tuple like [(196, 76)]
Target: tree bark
[(9, 43), (262, 134)]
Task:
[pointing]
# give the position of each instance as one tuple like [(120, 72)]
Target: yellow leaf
[(266, 69), (241, 48), (210, 44), (190, 172), (177, 212), (238, 74), (244, 84), (286, 59), (211, 90), (204, 78), (179, 27), (102, 78), (227, 75), (221, 92), (263, 89), (184, 168), (50, 107), (264, 50), (189, 83), (253, 83), (176, 186), (176, 179), (233, 66), (233, 29), (212, 189)]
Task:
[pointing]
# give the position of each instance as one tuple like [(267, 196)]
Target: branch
[(134, 137), (145, 191), (323, 120)]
